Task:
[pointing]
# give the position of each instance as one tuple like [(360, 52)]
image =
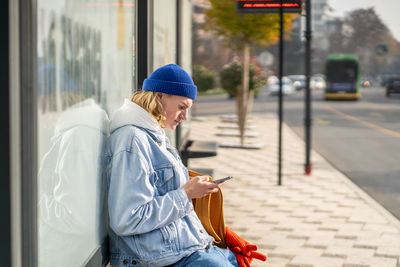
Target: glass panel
[(85, 70), (164, 39), (164, 33), (186, 52)]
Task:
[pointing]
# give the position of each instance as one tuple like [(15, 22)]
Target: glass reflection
[(71, 204)]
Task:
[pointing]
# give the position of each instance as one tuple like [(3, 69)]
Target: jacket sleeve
[(133, 208)]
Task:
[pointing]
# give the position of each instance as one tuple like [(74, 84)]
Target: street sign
[(265, 59), (269, 6), (381, 49)]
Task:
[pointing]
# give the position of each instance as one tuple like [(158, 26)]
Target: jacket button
[(134, 262), (125, 262), (201, 231)]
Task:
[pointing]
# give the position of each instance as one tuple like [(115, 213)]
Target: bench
[(198, 149)]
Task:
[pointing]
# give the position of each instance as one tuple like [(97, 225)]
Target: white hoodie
[(132, 114)]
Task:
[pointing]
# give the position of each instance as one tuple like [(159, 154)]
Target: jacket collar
[(132, 114)]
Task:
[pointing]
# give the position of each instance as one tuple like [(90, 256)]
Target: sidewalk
[(318, 220)]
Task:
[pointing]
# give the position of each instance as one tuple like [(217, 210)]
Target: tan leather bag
[(210, 210)]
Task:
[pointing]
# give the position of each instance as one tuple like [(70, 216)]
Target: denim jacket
[(152, 221)]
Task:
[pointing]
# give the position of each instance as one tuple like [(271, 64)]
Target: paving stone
[(272, 261), (353, 261), (344, 252), (345, 243), (351, 236), (284, 245), (388, 251), (327, 262), (306, 257), (391, 237)]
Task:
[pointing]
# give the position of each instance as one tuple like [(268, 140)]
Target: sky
[(388, 10)]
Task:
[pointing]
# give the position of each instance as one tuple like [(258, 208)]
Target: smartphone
[(222, 180)]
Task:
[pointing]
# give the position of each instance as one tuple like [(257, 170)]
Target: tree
[(239, 32), (203, 77), (230, 78), (364, 28), (360, 33), (369, 31)]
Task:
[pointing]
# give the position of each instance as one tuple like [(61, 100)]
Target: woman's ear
[(159, 95)]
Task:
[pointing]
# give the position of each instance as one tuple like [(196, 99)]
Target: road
[(360, 138)]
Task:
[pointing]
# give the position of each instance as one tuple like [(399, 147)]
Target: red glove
[(244, 251)]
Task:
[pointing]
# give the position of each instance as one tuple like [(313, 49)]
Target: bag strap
[(210, 210)]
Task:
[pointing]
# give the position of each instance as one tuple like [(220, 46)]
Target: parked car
[(287, 85), (386, 78), (392, 86), (317, 82), (299, 81)]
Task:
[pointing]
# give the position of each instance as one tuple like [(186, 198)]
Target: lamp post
[(307, 99), (280, 106)]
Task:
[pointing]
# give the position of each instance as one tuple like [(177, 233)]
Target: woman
[(152, 221)]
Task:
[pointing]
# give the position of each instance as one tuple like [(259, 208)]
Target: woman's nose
[(184, 115)]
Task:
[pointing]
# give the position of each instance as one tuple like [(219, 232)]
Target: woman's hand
[(200, 186)]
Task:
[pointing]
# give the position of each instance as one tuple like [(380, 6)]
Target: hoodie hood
[(132, 114)]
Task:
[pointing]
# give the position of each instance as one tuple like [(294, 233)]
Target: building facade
[(319, 15)]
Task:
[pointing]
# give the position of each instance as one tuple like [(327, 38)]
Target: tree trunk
[(243, 95)]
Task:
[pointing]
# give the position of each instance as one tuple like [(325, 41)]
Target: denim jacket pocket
[(153, 244), (171, 235), (164, 180), (167, 237)]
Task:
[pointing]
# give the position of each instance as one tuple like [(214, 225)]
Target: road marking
[(322, 122), (378, 106), (376, 115), (368, 124)]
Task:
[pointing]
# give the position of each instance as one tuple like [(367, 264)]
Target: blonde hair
[(149, 101)]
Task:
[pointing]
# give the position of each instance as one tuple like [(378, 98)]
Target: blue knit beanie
[(171, 79)]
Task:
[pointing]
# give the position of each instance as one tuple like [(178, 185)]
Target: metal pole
[(307, 120), (280, 92), (142, 42), (178, 129)]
